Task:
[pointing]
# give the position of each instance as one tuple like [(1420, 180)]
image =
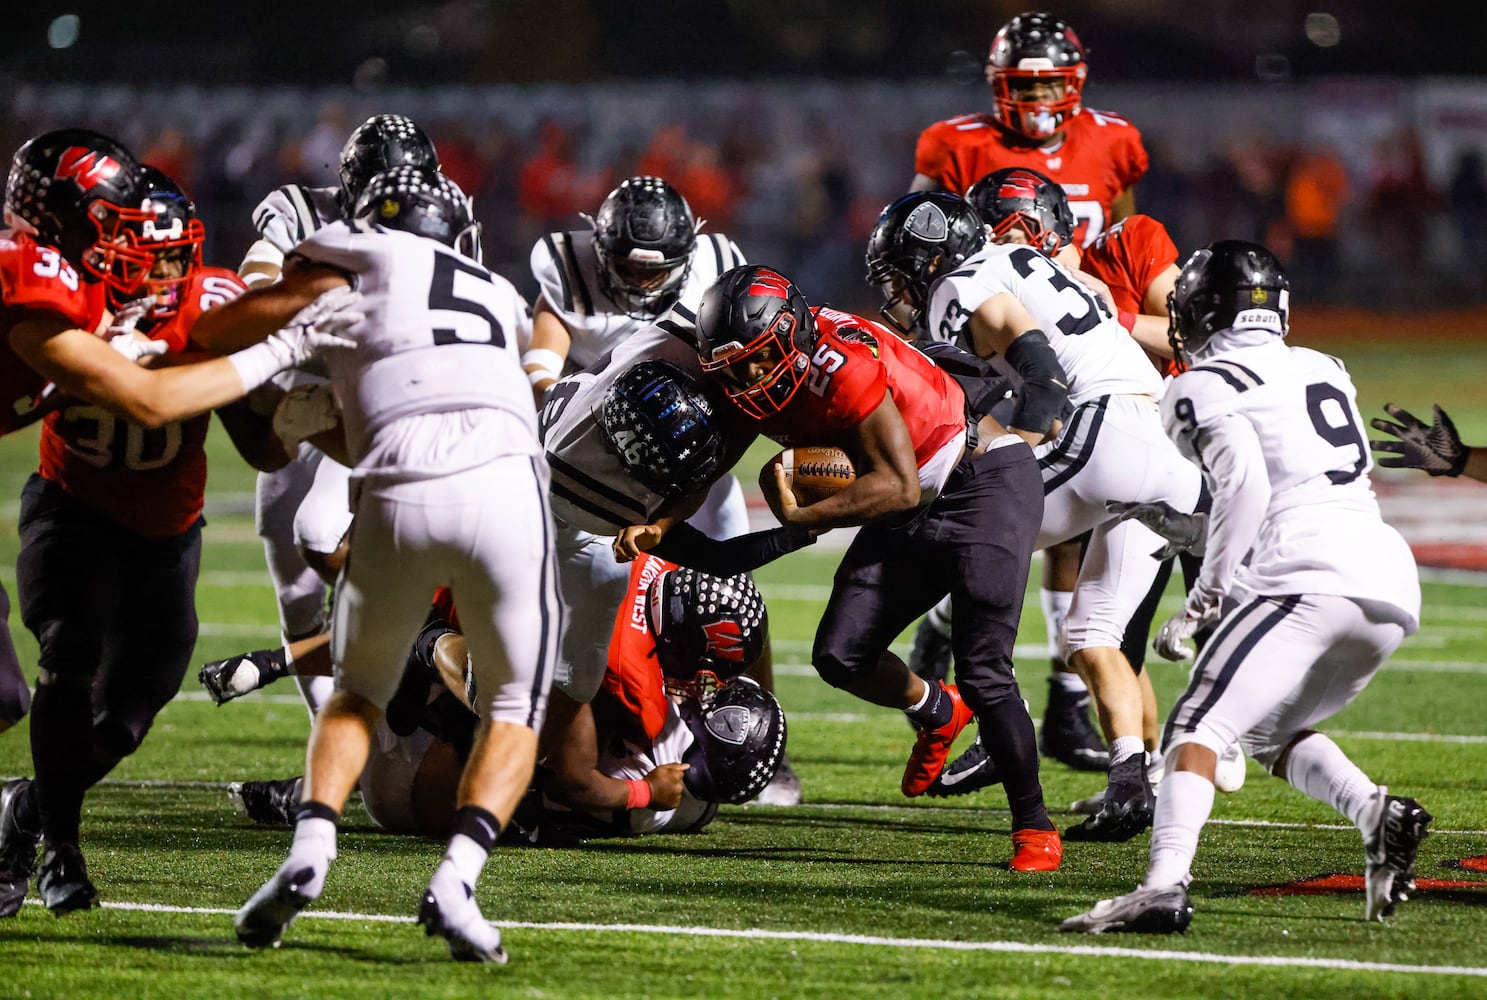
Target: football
[(815, 472)]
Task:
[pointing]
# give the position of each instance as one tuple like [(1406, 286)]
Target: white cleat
[(1162, 910), (1228, 773), (264, 918), (471, 937)]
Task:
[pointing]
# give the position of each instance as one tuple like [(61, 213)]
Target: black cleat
[(1127, 808), (267, 803), (1389, 873), (930, 655), (63, 883), (1068, 736), (971, 771), (17, 848), (1165, 910)]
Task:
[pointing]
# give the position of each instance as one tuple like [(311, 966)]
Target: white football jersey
[(1096, 352), (567, 270), (1321, 531), (440, 332), (290, 214), (591, 488)]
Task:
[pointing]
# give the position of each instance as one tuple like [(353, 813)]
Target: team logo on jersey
[(87, 168), (724, 640), (730, 724)]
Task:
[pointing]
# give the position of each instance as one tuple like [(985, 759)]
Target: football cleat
[(930, 656), (63, 883), (927, 759), (449, 909), (1162, 910), (783, 789), (1389, 872), (269, 912), (1229, 772), (243, 674), (1068, 736), (17, 848), (1126, 809), (267, 803), (971, 771), (1036, 851)]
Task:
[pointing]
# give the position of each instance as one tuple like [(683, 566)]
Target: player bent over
[(438, 419), (1311, 590)]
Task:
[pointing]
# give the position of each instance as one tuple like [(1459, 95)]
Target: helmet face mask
[(378, 144), (755, 334), (1022, 202), (1036, 69), (664, 427), (1223, 286), (644, 236), (422, 201), (172, 236), (78, 192), (916, 239)]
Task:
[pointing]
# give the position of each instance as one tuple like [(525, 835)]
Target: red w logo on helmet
[(1018, 187), (771, 283), (87, 168), (724, 640)]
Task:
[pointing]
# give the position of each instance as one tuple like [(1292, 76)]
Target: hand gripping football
[(815, 472)]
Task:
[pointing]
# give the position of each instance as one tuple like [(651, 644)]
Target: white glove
[(321, 325), (305, 410), (1183, 532), (122, 336), (1172, 637)]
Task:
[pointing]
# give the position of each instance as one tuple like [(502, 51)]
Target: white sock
[(1156, 768), (1055, 609), (1123, 747), (316, 691), (1319, 768), (1182, 809), (313, 847), (939, 617), (466, 858)]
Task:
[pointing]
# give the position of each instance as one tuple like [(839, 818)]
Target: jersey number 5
[(477, 325)]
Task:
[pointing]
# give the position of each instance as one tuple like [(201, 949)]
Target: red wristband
[(1127, 319), (640, 794)]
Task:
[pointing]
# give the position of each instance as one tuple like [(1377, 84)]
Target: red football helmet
[(1029, 200), (755, 334), (171, 237), (1036, 70)]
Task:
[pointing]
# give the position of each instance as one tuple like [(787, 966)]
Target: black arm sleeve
[(983, 387), (687, 546), (1045, 387)]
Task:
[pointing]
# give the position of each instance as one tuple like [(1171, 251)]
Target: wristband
[(256, 365), (1127, 319), (548, 364), (640, 794)]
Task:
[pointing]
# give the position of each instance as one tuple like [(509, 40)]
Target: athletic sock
[(475, 833), (1318, 767), (62, 754), (939, 617), (1124, 747), (1182, 809), (933, 710), (1009, 740)]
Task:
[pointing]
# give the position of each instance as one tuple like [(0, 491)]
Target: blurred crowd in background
[(1375, 194)]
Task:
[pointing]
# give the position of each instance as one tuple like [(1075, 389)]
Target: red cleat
[(927, 759), (1036, 851)]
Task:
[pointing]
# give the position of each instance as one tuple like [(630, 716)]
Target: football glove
[(1183, 532), (321, 325), (305, 410), (1172, 637), (1435, 448), (122, 336)]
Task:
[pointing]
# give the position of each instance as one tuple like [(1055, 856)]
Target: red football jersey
[(1128, 257), (633, 679), (1100, 157), (35, 278), (855, 363), (149, 481)]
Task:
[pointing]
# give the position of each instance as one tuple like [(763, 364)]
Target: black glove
[(1437, 449)]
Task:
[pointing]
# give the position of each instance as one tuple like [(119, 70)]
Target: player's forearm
[(686, 546), (879, 493)]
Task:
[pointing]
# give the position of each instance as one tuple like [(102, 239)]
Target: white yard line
[(820, 937)]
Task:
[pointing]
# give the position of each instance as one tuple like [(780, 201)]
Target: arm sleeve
[(686, 546), (1234, 466)]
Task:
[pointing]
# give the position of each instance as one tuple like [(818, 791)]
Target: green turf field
[(857, 893)]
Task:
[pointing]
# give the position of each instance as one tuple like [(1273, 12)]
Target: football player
[(110, 525), (1037, 68), (1110, 447), (1311, 590), (301, 511), (944, 505), (437, 419)]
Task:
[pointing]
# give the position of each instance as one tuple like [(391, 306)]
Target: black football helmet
[(664, 426), (755, 334), (739, 740), (1223, 286), (1032, 201), (377, 144), (709, 629), (644, 236), (79, 191), (422, 201), (916, 239), (1031, 52), (172, 236)]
